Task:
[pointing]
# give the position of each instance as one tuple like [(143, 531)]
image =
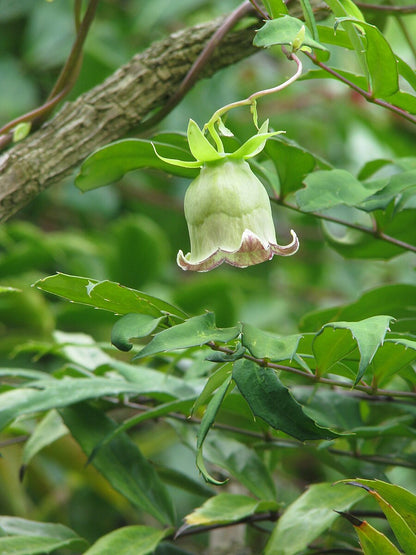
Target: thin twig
[(13, 441), (370, 231), (392, 10), (69, 72), (318, 379), (37, 112), (367, 95), (65, 81), (267, 442), (259, 10)]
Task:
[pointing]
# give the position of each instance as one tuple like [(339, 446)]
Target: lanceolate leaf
[(403, 501), (309, 516), (372, 541), (206, 423), (241, 462), (26, 537), (111, 162), (270, 400), (53, 393), (47, 431), (384, 78), (130, 540), (132, 326), (107, 295), (194, 332), (227, 507), (120, 462), (402, 529)]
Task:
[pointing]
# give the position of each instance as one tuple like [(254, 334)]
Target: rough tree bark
[(114, 108), (109, 111)]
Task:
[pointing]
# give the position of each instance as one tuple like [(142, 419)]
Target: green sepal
[(199, 145), (181, 163)]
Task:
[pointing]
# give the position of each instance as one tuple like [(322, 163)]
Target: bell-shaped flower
[(229, 218), (227, 208)]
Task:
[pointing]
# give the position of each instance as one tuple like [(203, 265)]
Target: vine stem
[(370, 231), (66, 79), (251, 100)]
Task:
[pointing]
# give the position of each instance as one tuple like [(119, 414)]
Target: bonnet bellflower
[(227, 208)]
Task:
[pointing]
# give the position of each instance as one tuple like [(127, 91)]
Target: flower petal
[(251, 251)]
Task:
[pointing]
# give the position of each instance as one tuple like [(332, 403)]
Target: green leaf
[(368, 335), (337, 37), (106, 295), (196, 331), (51, 393), (384, 78), (275, 348), (291, 161), (270, 400), (399, 300), (404, 534), (23, 373), (254, 145), (372, 541), (21, 131), (372, 167), (182, 405), (347, 8), (132, 326), (109, 163), (182, 480), (284, 30), (242, 463), (213, 383), (129, 540), (309, 516), (352, 243), (397, 185), (199, 145), (309, 18), (227, 507), (206, 423), (325, 189), (27, 537), (46, 432), (4, 289), (403, 501), (120, 462), (394, 355), (275, 7)]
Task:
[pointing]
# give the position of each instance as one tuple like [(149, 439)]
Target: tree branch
[(109, 112)]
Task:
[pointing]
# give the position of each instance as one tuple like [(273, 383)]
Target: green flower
[(227, 208), (229, 219)]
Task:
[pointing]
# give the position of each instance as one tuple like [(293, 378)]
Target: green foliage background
[(67, 394)]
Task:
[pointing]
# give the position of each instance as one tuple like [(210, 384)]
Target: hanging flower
[(227, 208), (229, 218)]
